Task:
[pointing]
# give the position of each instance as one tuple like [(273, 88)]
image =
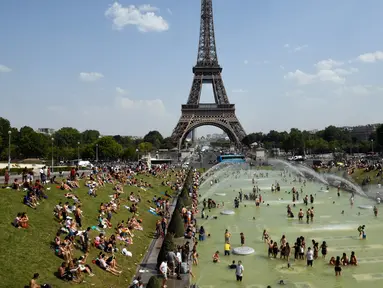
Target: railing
[(208, 106)]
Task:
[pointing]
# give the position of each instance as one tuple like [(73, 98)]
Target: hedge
[(176, 225), (19, 171), (167, 245), (154, 282)]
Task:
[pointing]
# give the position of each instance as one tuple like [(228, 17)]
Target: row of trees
[(331, 139), (69, 144)]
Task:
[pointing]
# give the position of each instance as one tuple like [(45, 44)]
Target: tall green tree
[(154, 137), (67, 137), (32, 144), (109, 149), (89, 136)]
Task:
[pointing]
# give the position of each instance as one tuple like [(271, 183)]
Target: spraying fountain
[(287, 164), (351, 185), (312, 173)]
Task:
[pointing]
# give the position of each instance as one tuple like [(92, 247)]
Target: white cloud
[(245, 62), (90, 76), (325, 72), (371, 57), (155, 105), (362, 90), (121, 91), (5, 69), (239, 91), (144, 17), (169, 11), (282, 67), (286, 45), (146, 8), (302, 78), (300, 48), (328, 64)]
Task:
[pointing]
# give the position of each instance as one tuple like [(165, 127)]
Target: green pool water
[(330, 225)]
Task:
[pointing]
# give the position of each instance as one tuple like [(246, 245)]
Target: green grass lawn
[(358, 175), (27, 251)]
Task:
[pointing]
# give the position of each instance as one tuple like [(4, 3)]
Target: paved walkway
[(148, 266)]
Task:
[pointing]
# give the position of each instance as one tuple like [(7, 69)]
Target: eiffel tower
[(220, 114)]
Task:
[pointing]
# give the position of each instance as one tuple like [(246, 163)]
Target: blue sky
[(297, 63)]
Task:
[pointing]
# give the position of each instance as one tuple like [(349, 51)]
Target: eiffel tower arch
[(220, 114)]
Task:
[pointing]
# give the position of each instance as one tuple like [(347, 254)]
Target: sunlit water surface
[(330, 225)]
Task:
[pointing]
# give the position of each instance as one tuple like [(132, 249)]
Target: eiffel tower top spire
[(207, 52)]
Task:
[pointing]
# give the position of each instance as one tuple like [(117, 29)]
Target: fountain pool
[(330, 225)]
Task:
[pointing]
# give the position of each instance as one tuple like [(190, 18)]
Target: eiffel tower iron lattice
[(207, 70)]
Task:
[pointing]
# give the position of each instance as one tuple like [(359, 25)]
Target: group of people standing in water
[(282, 249)]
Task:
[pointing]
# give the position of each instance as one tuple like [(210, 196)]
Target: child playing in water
[(216, 257), (242, 239), (227, 248)]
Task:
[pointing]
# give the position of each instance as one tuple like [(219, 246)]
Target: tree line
[(68, 144), (329, 140)]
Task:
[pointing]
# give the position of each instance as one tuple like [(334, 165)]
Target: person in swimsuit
[(353, 260), (338, 268), (323, 248)]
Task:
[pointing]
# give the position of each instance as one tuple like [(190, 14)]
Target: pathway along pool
[(330, 225)]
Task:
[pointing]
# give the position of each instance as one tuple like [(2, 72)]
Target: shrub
[(154, 282), (176, 225), (184, 197), (167, 245)]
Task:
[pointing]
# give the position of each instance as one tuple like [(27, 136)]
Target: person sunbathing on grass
[(134, 223), (103, 265), (16, 185), (119, 188), (30, 201), (16, 221), (112, 262), (82, 266), (65, 186), (24, 220), (73, 183), (72, 196)]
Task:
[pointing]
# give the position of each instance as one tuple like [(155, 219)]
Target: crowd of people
[(181, 260), (108, 236)]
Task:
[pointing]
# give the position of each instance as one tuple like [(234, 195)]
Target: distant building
[(48, 131), (362, 132)]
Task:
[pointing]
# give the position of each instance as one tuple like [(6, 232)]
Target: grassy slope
[(27, 251), (358, 175)]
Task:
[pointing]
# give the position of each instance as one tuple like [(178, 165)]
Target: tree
[(67, 137), (129, 153), (108, 148), (379, 135), (32, 144), (89, 136), (167, 245), (154, 282), (5, 126), (176, 225), (145, 147), (155, 138), (167, 143), (89, 151)]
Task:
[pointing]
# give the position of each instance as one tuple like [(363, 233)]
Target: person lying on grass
[(101, 262)]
